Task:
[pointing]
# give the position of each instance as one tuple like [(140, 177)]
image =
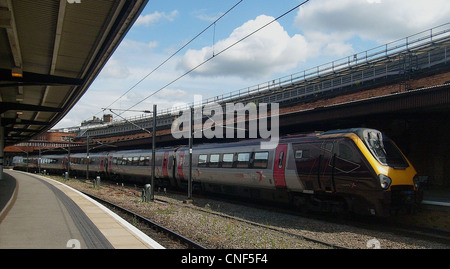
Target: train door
[(172, 167), (64, 163), (325, 167), (180, 164), (108, 170), (280, 165), (102, 164), (165, 163)]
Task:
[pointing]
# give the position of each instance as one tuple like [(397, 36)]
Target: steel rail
[(173, 235)]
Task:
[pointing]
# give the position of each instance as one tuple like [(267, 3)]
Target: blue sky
[(319, 32)]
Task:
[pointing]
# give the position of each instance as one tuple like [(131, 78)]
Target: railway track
[(252, 223), (366, 222), (172, 239), (166, 237), (330, 233), (369, 223)]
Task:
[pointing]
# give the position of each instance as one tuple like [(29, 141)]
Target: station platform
[(437, 198), (40, 213)]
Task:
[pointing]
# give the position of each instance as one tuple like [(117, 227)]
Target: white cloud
[(130, 56), (149, 19), (203, 15), (328, 27), (266, 52), (175, 94), (115, 69), (378, 20)]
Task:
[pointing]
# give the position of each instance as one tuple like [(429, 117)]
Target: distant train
[(356, 170)]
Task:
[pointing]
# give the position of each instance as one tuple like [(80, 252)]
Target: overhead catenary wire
[(218, 53), (170, 57), (176, 52)]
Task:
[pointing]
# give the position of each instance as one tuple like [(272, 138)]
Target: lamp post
[(68, 158), (152, 182), (87, 158), (191, 139), (153, 133)]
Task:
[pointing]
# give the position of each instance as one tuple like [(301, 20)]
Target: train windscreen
[(384, 150)]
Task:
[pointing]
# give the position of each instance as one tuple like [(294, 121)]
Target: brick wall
[(429, 81)]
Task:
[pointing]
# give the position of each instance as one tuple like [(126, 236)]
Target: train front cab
[(398, 190)]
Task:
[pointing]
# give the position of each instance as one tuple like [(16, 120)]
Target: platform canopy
[(50, 52)]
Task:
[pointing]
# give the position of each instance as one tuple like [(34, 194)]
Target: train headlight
[(416, 181), (385, 181)]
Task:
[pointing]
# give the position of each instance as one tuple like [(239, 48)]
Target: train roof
[(286, 138), (360, 132), (357, 131), (247, 142)]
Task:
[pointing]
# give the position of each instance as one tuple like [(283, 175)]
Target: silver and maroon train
[(358, 170)]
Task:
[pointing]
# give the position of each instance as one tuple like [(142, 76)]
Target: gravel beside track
[(222, 225)]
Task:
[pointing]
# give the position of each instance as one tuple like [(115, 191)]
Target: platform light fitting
[(16, 72)]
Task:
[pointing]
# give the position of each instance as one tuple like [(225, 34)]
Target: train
[(357, 170)]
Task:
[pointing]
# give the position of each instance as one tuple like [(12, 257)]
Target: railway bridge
[(401, 88)]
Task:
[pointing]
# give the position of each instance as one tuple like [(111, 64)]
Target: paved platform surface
[(437, 196), (39, 213)]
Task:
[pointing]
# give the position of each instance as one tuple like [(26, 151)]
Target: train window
[(302, 154), (384, 150), (261, 159), (328, 146), (227, 160), (202, 160), (142, 161), (214, 160), (345, 152), (280, 159), (243, 160)]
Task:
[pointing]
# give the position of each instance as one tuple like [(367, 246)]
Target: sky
[(318, 32)]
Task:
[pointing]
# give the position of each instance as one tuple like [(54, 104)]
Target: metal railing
[(418, 51)]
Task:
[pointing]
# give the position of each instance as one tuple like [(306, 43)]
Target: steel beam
[(32, 79)]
